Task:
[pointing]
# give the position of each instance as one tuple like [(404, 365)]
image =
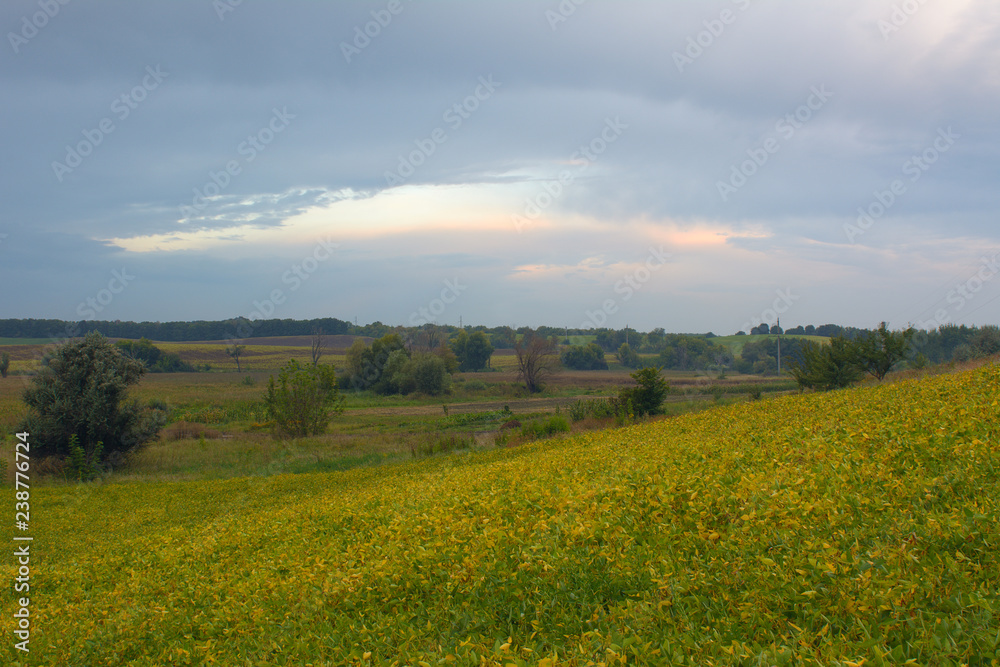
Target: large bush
[(424, 373), (303, 399), (589, 357), (648, 394), (472, 350), (82, 391), (366, 364), (826, 367)]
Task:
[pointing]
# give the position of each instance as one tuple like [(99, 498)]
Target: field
[(848, 528), (224, 407)]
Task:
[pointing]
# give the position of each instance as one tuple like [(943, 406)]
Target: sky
[(696, 166)]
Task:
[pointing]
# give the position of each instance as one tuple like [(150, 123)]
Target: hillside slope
[(812, 529)]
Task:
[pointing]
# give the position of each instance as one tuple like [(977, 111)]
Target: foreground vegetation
[(852, 527)]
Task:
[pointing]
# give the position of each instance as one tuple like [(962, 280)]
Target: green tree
[(82, 391), (393, 379), (503, 337), (303, 399), (425, 373), (825, 367), (985, 343), (654, 340), (367, 363), (472, 350), (649, 394), (876, 352), (628, 357), (589, 357)]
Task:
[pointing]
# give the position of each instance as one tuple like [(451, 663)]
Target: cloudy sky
[(692, 165)]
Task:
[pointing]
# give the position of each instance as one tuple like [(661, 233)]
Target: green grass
[(25, 341)]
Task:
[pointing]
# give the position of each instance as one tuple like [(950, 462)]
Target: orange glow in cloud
[(696, 235)]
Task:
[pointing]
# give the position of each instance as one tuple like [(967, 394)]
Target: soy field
[(856, 527)]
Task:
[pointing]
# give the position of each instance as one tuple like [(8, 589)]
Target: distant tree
[(627, 357), (795, 331), (425, 373), (685, 352), (607, 340), (810, 330), (765, 366), (828, 330), (761, 329), (317, 345), (654, 340), (503, 338), (831, 366), (393, 379), (448, 358), (741, 333), (754, 351), (236, 351), (429, 337), (353, 358), (985, 343), (775, 329), (82, 392), (472, 350), (152, 357), (368, 364), (536, 357), (723, 358), (589, 357), (649, 394), (4, 364), (876, 352), (962, 353), (303, 400)]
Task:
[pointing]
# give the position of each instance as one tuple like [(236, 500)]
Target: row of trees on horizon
[(672, 351)]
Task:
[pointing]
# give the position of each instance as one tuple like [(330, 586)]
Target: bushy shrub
[(826, 366), (387, 367), (588, 357), (303, 400), (473, 351), (82, 392), (649, 394)]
